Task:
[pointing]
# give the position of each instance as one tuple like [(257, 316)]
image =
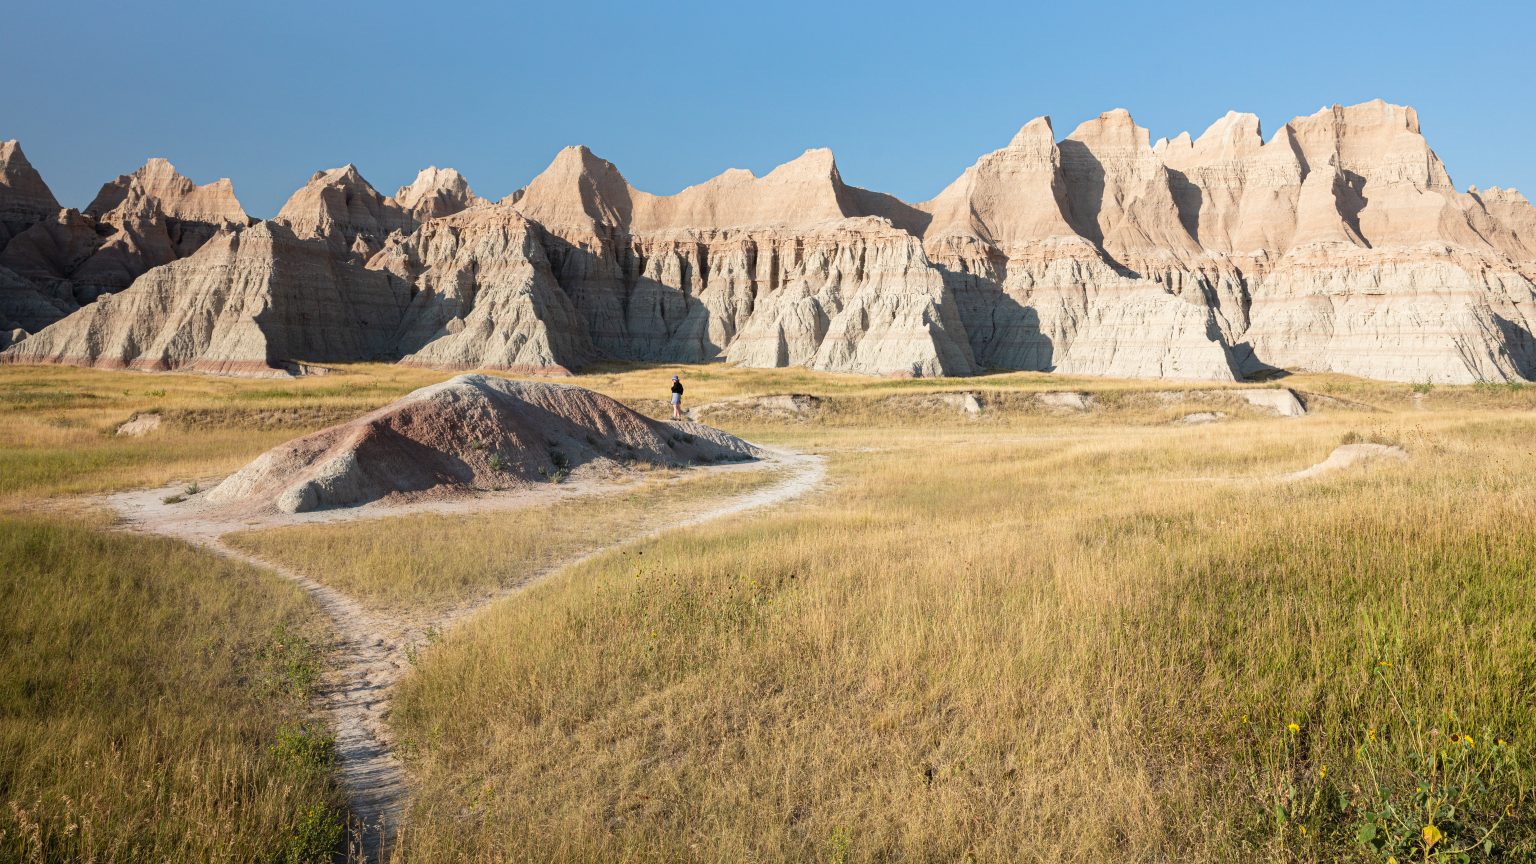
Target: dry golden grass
[(1019, 637), (154, 704), (435, 562), (1029, 643)]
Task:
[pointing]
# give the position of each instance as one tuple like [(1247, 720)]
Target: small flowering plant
[(1399, 790), (1429, 796), (1421, 794)]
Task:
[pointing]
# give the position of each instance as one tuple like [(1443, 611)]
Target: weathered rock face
[(485, 296), (137, 222), (1388, 272), (1339, 244), (341, 208), (769, 271), (175, 197), (437, 192), (1034, 293), (254, 302), (25, 199)]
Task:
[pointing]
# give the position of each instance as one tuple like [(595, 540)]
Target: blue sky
[(906, 94)]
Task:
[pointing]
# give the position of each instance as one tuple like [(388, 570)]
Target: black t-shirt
[(677, 386)]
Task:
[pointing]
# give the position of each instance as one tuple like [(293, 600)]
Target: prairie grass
[(437, 561), (1041, 643), (154, 704), (1024, 636)]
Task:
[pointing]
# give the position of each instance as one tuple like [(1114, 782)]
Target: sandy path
[(371, 652)]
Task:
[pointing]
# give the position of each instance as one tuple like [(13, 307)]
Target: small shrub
[(192, 489), (496, 462), (292, 664), (173, 499), (306, 746), (559, 459), (316, 836)]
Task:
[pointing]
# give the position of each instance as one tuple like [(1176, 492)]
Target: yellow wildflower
[(1245, 718), (1293, 727), (1471, 742), (1509, 809), (1303, 830), (1432, 836), (1370, 734), (1322, 772), (1385, 663)]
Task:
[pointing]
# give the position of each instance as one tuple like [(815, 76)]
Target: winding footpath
[(371, 653)]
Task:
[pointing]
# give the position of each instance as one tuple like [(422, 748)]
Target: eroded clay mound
[(1349, 455), (471, 433)]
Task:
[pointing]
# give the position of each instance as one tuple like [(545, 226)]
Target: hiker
[(677, 398)]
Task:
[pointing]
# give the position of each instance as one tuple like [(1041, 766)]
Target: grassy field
[(1031, 635), (1027, 643), (439, 561), (154, 704)]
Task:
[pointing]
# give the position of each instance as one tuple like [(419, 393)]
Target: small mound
[(778, 407), (1066, 401), (1200, 418), (471, 433), (139, 425), (1347, 455)]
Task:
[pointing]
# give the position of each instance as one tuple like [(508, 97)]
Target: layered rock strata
[(259, 302), (1338, 244), (137, 222)]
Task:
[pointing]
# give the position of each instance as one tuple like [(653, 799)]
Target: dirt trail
[(371, 652)]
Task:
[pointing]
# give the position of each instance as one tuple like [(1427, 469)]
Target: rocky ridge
[(1337, 244)]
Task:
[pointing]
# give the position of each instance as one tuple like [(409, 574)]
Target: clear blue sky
[(907, 95)]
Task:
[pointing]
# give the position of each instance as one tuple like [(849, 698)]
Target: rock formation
[(471, 433), (485, 296), (341, 208), (1368, 262), (1338, 244), (25, 199), (254, 302), (137, 222), (1035, 293), (437, 192), (778, 270)]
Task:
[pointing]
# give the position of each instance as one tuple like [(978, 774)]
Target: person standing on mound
[(677, 398)]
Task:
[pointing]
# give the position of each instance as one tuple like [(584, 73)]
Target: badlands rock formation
[(259, 301), (437, 192), (341, 208), (485, 297), (25, 199), (1337, 244), (137, 222), (771, 271), (471, 433)]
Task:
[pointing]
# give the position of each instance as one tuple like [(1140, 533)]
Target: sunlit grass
[(1029, 635), (154, 704), (427, 561), (1009, 647)]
